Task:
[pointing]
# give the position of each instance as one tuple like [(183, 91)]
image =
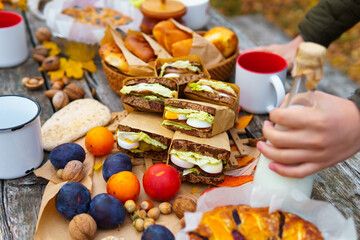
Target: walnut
[(184, 203), (51, 63), (74, 91), (82, 227), (43, 34), (60, 100), (40, 53), (74, 171), (33, 83)]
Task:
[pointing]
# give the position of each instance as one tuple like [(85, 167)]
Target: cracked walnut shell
[(82, 227), (74, 171)]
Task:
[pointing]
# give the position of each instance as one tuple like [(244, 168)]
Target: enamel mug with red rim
[(261, 78), (13, 44), (20, 136)]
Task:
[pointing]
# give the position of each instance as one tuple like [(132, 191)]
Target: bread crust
[(190, 132), (157, 137), (167, 82), (143, 104), (204, 149), (190, 105), (212, 97)]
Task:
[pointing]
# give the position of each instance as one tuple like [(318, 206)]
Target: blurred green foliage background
[(344, 53)]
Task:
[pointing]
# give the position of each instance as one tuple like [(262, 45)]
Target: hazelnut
[(43, 34), (51, 63), (137, 207), (74, 91), (59, 173), (154, 213), (142, 213), (33, 83), (148, 222), (138, 214), (65, 80), (184, 203), (38, 57), (139, 224), (165, 208), (57, 85), (41, 50), (60, 100), (130, 206), (51, 92), (74, 171), (146, 205), (82, 227)]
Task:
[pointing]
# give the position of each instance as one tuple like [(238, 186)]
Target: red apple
[(161, 182)]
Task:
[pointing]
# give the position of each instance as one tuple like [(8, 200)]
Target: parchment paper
[(202, 47), (325, 216), (65, 26)]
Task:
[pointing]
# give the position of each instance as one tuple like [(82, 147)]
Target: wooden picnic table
[(20, 198)]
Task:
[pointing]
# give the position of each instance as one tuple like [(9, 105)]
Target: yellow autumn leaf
[(1, 6), (22, 4), (61, 71), (74, 69), (97, 165), (244, 121), (53, 48), (89, 65)]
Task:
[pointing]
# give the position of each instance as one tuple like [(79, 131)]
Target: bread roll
[(173, 36), (182, 48), (138, 45), (224, 39), (160, 29), (113, 56)]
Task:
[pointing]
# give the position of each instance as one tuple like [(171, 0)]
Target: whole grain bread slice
[(209, 97), (168, 82), (73, 121), (187, 104), (157, 137), (143, 104)]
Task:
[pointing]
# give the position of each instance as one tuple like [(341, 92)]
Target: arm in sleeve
[(326, 21)]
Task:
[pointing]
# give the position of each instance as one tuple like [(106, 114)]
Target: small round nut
[(59, 173), (142, 213), (74, 91), (33, 83), (130, 206), (182, 222), (148, 222), (165, 208), (60, 100), (146, 205), (43, 34), (38, 57), (154, 213), (65, 80), (41, 50), (51, 92), (57, 85), (74, 171), (51, 63), (139, 224), (82, 227)]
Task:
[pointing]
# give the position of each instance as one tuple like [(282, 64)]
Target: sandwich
[(138, 45), (195, 118), (183, 69), (213, 91), (113, 56), (141, 135), (200, 160), (147, 93)]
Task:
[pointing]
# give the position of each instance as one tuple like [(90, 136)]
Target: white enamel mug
[(261, 77), (13, 44), (20, 136), (197, 13)]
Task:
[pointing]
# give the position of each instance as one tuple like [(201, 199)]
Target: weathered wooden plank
[(4, 228)]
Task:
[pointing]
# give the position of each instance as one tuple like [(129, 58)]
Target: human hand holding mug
[(261, 77)]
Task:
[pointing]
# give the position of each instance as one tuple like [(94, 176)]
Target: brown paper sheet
[(224, 116), (202, 47), (219, 141), (147, 122), (51, 225)]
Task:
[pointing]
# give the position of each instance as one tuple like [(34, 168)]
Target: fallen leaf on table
[(244, 121), (74, 69), (194, 190), (89, 65), (244, 161), (233, 148), (97, 165), (1, 6), (53, 48), (235, 181)]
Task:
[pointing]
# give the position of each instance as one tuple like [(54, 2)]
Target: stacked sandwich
[(189, 133)]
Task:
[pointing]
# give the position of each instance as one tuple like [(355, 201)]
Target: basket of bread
[(136, 54)]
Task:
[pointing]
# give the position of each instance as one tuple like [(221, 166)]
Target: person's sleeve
[(326, 21), (356, 98)]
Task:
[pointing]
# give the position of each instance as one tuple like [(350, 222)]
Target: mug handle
[(279, 90)]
